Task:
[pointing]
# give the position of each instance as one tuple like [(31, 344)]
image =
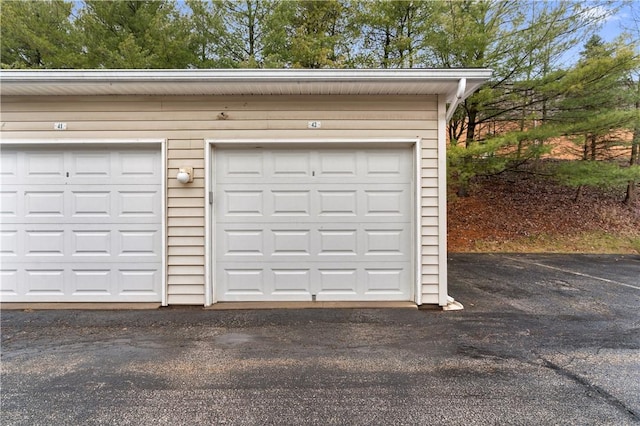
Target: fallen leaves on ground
[(520, 206)]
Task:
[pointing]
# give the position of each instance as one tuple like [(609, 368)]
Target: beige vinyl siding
[(191, 117), (185, 218), (194, 127), (186, 121)]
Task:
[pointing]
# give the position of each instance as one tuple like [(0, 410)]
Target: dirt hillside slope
[(518, 212)]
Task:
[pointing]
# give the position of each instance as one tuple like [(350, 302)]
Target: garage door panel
[(243, 202), (92, 204), (117, 166), (48, 205), (8, 166), (8, 203), (91, 242), (81, 204), (80, 243), (291, 241), (386, 203), (138, 203), (334, 224), (138, 243), (43, 281), (335, 164), (8, 282), (95, 282), (386, 241), (287, 241), (139, 280), (337, 202), (81, 225), (310, 179), (294, 243), (91, 166), (91, 282), (282, 164), (338, 242), (44, 243), (120, 167), (299, 202), (301, 281), (386, 165), (241, 165), (385, 281), (134, 166), (336, 282), (10, 243), (43, 167), (243, 242), (242, 283), (291, 282), (332, 165), (283, 282), (291, 203)]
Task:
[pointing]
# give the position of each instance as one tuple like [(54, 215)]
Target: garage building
[(208, 186)]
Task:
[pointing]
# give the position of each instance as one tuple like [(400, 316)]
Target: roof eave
[(93, 82)]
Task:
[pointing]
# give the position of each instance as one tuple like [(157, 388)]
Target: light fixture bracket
[(185, 175)]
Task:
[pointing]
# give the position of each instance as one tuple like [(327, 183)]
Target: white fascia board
[(17, 82), (257, 75)]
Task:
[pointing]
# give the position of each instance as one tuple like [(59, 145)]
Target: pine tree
[(134, 34), (309, 34), (596, 102), (595, 91), (38, 34)]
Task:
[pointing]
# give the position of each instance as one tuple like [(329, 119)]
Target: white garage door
[(323, 224), (81, 224)]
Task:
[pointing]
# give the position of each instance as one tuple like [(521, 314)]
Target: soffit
[(239, 82)]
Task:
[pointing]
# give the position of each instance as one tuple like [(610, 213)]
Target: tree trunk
[(463, 189), (578, 194), (632, 193), (523, 119), (386, 48), (632, 190), (472, 114), (594, 147), (251, 21), (456, 129)]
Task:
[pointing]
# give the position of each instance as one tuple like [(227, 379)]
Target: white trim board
[(83, 141), (210, 144), (442, 206)]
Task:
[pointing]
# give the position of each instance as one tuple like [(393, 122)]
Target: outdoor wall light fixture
[(185, 175)]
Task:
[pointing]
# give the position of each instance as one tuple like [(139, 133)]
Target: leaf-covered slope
[(517, 212)]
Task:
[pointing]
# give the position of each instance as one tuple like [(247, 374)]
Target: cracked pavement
[(543, 339)]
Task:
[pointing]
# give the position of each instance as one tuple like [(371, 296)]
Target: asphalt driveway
[(542, 340)]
